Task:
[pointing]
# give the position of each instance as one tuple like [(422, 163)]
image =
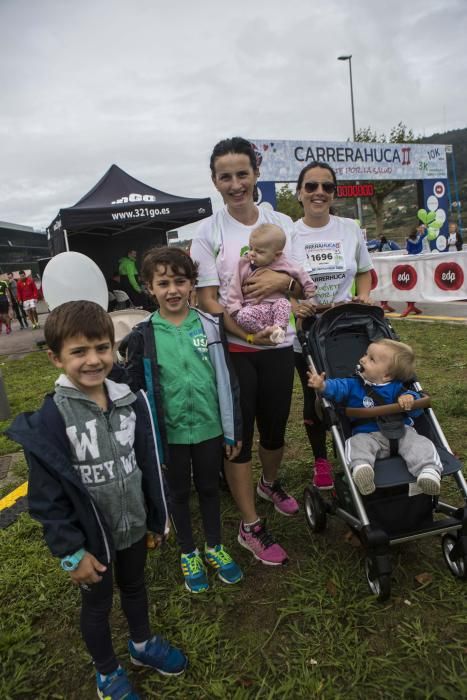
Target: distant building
[(21, 247)]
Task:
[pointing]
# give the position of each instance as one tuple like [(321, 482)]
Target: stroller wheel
[(457, 565), (315, 509), (380, 584)]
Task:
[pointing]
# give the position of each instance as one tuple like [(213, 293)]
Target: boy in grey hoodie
[(95, 485)]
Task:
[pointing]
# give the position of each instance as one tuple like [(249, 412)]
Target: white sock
[(139, 646), (266, 483), (104, 676), (248, 526)]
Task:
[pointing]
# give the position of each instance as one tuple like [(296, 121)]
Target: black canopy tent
[(118, 214)]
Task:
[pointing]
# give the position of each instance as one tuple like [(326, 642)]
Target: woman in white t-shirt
[(264, 370), (454, 238), (333, 251)]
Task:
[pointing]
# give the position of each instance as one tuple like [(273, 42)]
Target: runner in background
[(455, 241), (17, 307), (27, 296), (5, 307), (384, 247), (414, 246)]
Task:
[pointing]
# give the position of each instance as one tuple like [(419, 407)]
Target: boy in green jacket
[(180, 358)]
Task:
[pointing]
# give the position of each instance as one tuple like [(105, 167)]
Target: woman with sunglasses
[(265, 371), (332, 250)]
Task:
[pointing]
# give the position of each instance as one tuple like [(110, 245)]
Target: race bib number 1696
[(324, 256)]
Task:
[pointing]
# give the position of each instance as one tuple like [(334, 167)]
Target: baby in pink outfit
[(266, 247)]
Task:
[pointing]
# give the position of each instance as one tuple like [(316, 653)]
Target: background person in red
[(26, 292), (414, 246)]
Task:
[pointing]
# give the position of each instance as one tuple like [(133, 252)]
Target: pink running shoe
[(262, 545), (283, 502), (8, 330), (322, 477)]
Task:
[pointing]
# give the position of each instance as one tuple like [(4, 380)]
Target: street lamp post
[(349, 59)]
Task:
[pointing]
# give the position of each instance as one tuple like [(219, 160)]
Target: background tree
[(383, 188), (287, 203)]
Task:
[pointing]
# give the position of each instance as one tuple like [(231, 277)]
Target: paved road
[(20, 342), (454, 310)]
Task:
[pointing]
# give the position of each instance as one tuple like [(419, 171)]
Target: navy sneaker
[(115, 686), (159, 655)]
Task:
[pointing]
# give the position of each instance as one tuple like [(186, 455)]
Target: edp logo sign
[(404, 277)]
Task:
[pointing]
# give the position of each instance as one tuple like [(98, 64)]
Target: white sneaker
[(364, 478), (429, 481)]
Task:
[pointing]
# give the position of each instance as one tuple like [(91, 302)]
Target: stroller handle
[(390, 408)]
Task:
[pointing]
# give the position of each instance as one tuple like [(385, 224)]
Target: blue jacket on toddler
[(351, 393)]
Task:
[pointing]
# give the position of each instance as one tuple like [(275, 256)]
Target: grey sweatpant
[(417, 451)]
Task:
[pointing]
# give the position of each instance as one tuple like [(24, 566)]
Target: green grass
[(309, 630)]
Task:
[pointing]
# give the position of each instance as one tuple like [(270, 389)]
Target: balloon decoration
[(73, 276), (433, 225), (422, 214), (426, 217)]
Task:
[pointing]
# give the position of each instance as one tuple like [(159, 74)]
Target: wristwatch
[(71, 561)]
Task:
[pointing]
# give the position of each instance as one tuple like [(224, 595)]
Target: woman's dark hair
[(168, 257), (315, 164), (382, 242), (236, 145), (239, 146)]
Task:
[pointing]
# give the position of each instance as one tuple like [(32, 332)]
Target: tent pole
[(65, 236)]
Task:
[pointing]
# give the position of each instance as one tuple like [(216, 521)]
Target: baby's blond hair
[(274, 235), (402, 366)]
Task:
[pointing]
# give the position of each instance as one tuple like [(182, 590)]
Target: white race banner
[(429, 277), (281, 161)]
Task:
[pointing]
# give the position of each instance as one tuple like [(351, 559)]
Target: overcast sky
[(153, 85)]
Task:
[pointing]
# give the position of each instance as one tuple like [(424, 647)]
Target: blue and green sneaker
[(194, 571), (220, 560), (115, 686), (159, 655)]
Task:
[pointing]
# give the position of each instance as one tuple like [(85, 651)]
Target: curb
[(12, 505)]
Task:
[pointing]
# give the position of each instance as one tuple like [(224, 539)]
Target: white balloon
[(441, 243), (73, 276)]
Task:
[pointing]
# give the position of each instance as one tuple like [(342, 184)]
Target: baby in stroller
[(380, 378)]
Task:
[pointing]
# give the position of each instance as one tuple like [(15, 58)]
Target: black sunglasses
[(328, 187)]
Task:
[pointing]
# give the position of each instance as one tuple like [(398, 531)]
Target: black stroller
[(334, 344)]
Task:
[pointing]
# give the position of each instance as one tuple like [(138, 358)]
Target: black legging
[(20, 313), (205, 459), (315, 429), (96, 604), (266, 384)]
